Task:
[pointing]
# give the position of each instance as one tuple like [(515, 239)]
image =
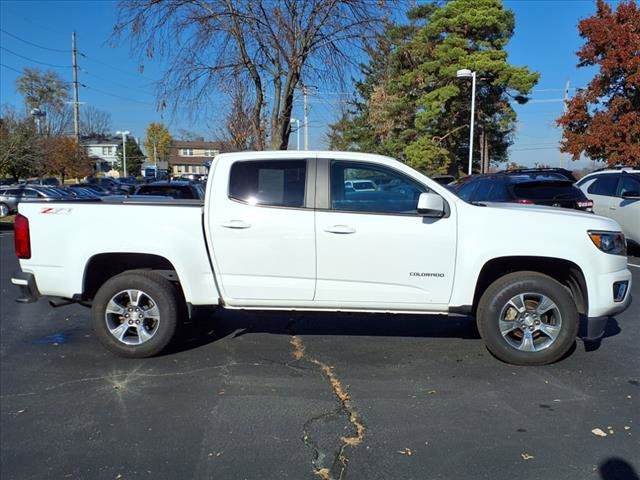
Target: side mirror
[(631, 194), (431, 205)]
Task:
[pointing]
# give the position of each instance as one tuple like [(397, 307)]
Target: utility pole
[(76, 105), (566, 99), (306, 117)]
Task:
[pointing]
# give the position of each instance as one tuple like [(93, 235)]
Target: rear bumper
[(28, 289)]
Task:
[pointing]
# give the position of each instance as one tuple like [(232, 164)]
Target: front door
[(373, 248)]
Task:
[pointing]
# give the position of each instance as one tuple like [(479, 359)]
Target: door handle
[(341, 229), (237, 224)]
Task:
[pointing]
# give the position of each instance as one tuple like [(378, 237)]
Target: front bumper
[(28, 289), (609, 300)]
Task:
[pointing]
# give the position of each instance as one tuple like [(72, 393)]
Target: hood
[(564, 215)]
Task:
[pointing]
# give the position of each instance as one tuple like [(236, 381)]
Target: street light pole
[(466, 73), (38, 115), (124, 134), (297, 131)]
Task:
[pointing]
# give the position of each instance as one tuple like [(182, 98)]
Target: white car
[(361, 185), (281, 231), (616, 194)]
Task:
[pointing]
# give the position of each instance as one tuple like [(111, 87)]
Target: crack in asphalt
[(341, 459)]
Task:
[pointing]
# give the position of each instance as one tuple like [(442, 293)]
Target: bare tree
[(273, 45), (94, 121), (236, 133)]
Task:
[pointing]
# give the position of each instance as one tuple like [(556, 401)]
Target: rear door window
[(278, 183), (605, 185)]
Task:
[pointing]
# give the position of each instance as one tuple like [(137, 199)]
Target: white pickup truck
[(283, 231)]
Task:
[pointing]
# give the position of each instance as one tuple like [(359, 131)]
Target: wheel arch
[(564, 271), (103, 266)]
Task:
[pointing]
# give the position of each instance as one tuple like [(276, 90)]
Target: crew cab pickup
[(281, 231)]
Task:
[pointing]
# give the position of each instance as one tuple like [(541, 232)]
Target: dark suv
[(176, 190), (526, 188)]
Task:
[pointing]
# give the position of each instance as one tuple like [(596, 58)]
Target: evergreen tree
[(135, 158), (412, 106)]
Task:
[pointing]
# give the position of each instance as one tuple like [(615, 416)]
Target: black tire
[(509, 347), (158, 292)]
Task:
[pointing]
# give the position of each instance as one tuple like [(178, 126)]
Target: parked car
[(274, 235), (615, 193), (536, 188), (93, 187), (114, 185), (546, 171), (193, 177), (444, 179), (11, 196), (360, 185), (51, 181), (178, 190)]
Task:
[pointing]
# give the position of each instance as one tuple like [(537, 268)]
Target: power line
[(33, 44), (121, 85), (138, 75), (116, 96), (34, 61), (11, 68)]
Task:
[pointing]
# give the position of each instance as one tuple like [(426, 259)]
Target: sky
[(38, 33)]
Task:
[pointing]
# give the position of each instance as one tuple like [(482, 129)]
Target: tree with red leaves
[(603, 120)]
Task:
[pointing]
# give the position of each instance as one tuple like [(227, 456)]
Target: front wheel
[(527, 318), (135, 313)]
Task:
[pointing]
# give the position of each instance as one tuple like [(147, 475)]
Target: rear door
[(373, 249), (602, 192), (261, 222)]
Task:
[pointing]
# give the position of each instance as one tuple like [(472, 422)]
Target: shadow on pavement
[(208, 326), (615, 468)]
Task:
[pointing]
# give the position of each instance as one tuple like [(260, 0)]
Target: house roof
[(212, 145)]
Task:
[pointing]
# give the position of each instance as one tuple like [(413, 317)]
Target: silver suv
[(11, 196)]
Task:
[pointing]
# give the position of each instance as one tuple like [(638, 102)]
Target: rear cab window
[(276, 183)]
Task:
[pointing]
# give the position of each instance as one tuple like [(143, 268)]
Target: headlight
[(609, 242)]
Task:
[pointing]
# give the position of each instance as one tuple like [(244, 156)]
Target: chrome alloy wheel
[(530, 322), (132, 317)]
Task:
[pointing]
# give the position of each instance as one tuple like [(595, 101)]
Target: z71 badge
[(55, 211)]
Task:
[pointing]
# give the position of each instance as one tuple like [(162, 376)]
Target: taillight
[(585, 205), (524, 201), (21, 238)]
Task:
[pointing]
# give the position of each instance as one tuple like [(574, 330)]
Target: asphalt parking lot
[(295, 396)]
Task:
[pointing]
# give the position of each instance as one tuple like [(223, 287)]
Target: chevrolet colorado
[(285, 231)]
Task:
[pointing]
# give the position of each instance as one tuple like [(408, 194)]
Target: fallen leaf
[(627, 427), (526, 456), (598, 432), (431, 392), (406, 451)]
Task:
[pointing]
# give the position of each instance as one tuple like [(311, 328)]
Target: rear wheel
[(527, 318), (135, 314), (4, 210)]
